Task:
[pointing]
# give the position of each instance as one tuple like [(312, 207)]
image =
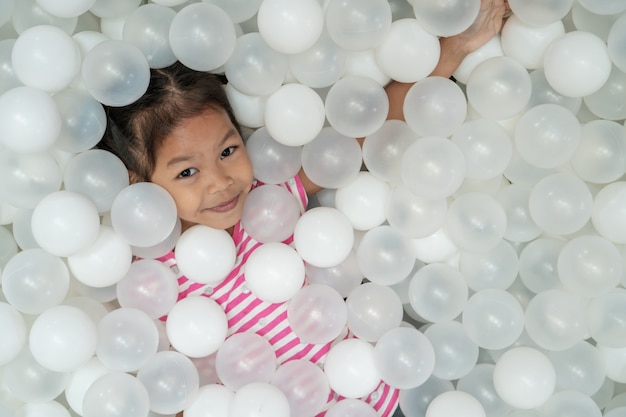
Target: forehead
[(210, 126)]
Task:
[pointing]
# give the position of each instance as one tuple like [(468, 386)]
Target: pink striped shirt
[(247, 313)]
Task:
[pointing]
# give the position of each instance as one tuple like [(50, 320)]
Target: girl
[(183, 135)]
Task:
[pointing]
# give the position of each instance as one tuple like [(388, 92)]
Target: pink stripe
[(244, 312), (253, 320), (393, 403), (382, 398), (273, 324), (322, 352)]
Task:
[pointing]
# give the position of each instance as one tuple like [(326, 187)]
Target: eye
[(228, 151), (187, 172)]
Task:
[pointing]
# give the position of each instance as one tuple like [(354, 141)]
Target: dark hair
[(175, 93)]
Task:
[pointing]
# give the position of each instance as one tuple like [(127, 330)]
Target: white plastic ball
[(537, 12), (351, 368), (608, 208), (117, 391), (363, 201), (447, 18), (16, 333), (527, 42), (214, 399), (455, 403), (358, 25), (261, 400), (147, 28)]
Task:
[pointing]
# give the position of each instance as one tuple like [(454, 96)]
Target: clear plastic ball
[(260, 399), (408, 53), (476, 222), (524, 377), (364, 63), (446, 19), (538, 262), (321, 65), (245, 358), (543, 93), (160, 249), (572, 403), (294, 114), (433, 167), (453, 403), (363, 201), (147, 28), (603, 7), (30, 120), (497, 268), (356, 106), (323, 237), (606, 102), (83, 120), (272, 162), (519, 225), (404, 357), (48, 409), (438, 292), (498, 88), (603, 319), (46, 57), (455, 353), (351, 368), (414, 216), (270, 214), (66, 9), (249, 110), (113, 8), (435, 106), (373, 310), (214, 397), (490, 49), (343, 277), (579, 368), (238, 10), (537, 12), (196, 326), (479, 383), (555, 319), (305, 386), (577, 64), (299, 27), (27, 14), (357, 25), (274, 272), (527, 42), (584, 19), (115, 73), (143, 213), (67, 214), (560, 203), (382, 149), (616, 43), (116, 393), (8, 78), (416, 400), (608, 211), (16, 334), (487, 148), (254, 68)]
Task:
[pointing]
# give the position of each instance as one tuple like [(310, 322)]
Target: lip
[(226, 206)]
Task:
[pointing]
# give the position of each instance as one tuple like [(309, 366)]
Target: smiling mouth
[(226, 206)]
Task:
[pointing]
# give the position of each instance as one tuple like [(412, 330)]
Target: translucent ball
[(104, 263), (446, 19), (143, 213), (493, 319), (573, 403), (351, 407), (323, 236), (30, 382), (538, 264), (16, 334), (260, 399), (490, 49), (373, 310), (149, 286), (83, 120), (453, 403), (115, 8), (331, 160), (555, 319), (117, 391), (356, 106), (244, 358), (385, 256), (605, 103), (6, 7), (590, 265), (543, 93), (496, 268), (408, 53), (46, 57), (147, 28), (603, 321), (305, 386), (30, 120), (358, 25), (321, 65), (364, 63), (127, 339), (202, 36), (577, 64), (249, 110), (527, 42), (486, 146), (294, 114), (8, 78), (538, 12), (270, 214), (255, 68), (27, 178), (613, 359), (66, 9), (35, 280), (424, 106), (363, 201), (214, 397), (162, 248), (343, 277), (62, 338), (498, 88), (67, 214), (48, 409), (272, 162), (608, 209), (239, 10), (560, 203), (28, 13), (476, 222), (479, 383), (615, 43), (433, 167), (122, 80), (579, 368), (584, 19), (317, 313), (274, 272), (383, 148), (351, 368), (519, 225), (300, 24), (524, 377), (416, 400), (438, 292), (414, 216), (606, 7), (196, 326), (455, 353)]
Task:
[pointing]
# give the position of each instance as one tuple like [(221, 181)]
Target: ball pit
[(475, 251)]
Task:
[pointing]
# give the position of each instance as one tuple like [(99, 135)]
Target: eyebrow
[(184, 158)]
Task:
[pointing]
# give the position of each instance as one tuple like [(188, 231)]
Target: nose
[(218, 180)]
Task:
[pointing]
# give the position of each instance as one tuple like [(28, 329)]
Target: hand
[(488, 23)]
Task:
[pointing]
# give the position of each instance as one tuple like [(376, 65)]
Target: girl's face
[(204, 165)]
